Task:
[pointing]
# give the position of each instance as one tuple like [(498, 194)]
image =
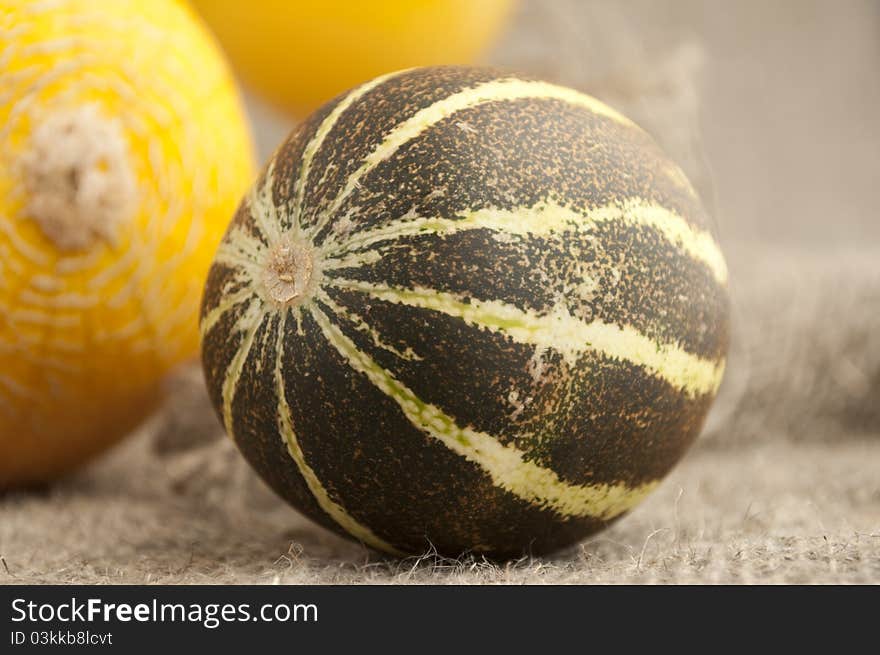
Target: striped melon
[(469, 309)]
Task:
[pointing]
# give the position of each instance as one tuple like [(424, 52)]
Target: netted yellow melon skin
[(123, 153)]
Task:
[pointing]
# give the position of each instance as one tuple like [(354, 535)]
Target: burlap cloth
[(783, 486)]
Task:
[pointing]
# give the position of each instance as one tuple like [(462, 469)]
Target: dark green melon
[(468, 309)]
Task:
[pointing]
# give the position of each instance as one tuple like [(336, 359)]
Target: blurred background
[(772, 110)]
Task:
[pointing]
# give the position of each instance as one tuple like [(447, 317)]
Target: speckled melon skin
[(467, 309)]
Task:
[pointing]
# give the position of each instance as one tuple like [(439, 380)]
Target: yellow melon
[(300, 53), (123, 152)]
